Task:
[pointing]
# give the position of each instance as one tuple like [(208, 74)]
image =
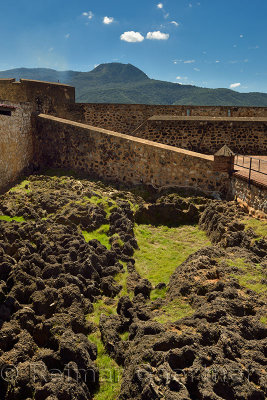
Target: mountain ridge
[(125, 83)]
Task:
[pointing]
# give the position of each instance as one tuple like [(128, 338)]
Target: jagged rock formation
[(51, 277)]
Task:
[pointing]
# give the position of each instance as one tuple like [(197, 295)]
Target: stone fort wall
[(127, 156), (206, 134), (252, 196), (118, 157), (45, 96), (20, 103), (222, 125), (16, 140)]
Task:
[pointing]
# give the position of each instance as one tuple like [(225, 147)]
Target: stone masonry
[(118, 157), (208, 134), (154, 145)]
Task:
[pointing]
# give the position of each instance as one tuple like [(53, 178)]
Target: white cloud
[(217, 61), (234, 85), (157, 35), (51, 49), (196, 69), (184, 78), (174, 23), (88, 14), (108, 20), (96, 65), (166, 15), (241, 36), (184, 61), (67, 35), (132, 37), (190, 5), (160, 5)]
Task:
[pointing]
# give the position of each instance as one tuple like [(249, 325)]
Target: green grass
[(102, 201), (101, 308), (158, 294), (7, 218), (174, 310), (21, 187), (118, 239), (250, 275), (101, 234), (109, 371), (236, 262), (122, 280), (252, 281), (259, 226), (124, 336), (263, 320), (163, 249)]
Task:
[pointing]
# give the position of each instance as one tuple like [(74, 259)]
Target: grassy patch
[(250, 275), (124, 336), (101, 234), (163, 249), (259, 226), (109, 371), (236, 262), (118, 239), (252, 281), (263, 320), (121, 279), (174, 310), (102, 201), (21, 187), (158, 294), (100, 307), (8, 219)]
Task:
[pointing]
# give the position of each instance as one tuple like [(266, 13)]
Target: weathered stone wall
[(44, 96), (16, 131), (206, 130), (16, 147), (125, 118), (208, 135), (120, 157), (253, 196)]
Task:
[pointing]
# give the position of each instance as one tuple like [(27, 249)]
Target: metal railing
[(253, 164)]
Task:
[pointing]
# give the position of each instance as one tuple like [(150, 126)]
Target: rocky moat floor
[(110, 293)]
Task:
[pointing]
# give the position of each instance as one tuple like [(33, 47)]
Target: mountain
[(124, 83)]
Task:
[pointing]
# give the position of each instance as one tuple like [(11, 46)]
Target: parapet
[(27, 90)]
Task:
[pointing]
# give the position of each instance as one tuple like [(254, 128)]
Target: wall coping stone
[(127, 137), (205, 118), (184, 106), (43, 82), (13, 81)]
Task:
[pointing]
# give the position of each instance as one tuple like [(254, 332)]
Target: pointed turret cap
[(225, 151)]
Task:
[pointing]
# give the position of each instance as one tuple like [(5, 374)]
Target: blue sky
[(208, 43)]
